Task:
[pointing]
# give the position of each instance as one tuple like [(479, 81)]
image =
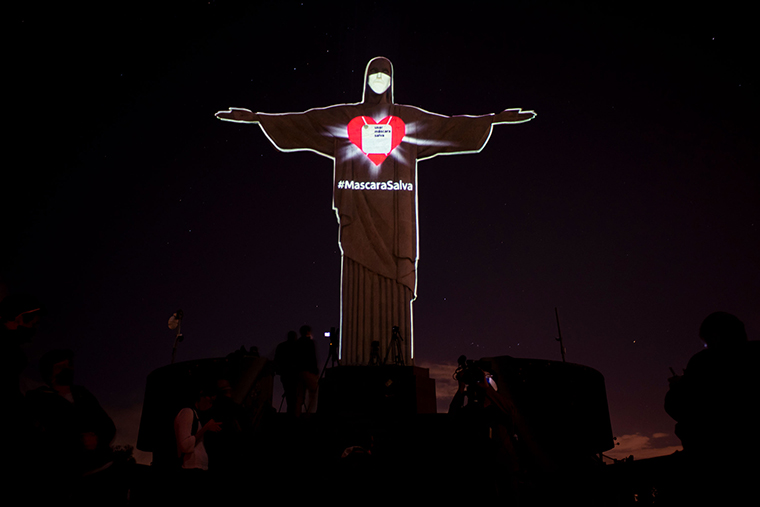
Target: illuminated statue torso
[(376, 145)]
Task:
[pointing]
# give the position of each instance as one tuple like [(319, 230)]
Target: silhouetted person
[(715, 405), (492, 430), (189, 430), (193, 484), (485, 430), (308, 371), (224, 446), (287, 369), (358, 469), (74, 433), (19, 317)]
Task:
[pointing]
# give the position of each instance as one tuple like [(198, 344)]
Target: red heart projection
[(397, 134)]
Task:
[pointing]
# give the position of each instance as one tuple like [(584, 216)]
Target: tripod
[(395, 346), (332, 354)]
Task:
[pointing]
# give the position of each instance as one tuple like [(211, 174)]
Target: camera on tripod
[(473, 373)]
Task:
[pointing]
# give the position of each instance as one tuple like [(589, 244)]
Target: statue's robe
[(376, 204)]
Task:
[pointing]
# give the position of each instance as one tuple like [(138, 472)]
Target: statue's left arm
[(437, 135)]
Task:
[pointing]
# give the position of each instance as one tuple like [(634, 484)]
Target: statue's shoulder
[(408, 113), (336, 110)]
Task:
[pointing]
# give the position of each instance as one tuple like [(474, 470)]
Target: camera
[(472, 373)]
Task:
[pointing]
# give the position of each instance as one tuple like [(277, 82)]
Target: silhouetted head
[(57, 367), (305, 331), (378, 81), (223, 388), (292, 335), (721, 329), (206, 392)]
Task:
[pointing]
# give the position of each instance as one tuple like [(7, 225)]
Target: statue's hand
[(238, 114), (516, 115)]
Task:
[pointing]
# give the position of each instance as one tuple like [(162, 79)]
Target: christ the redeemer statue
[(375, 145)]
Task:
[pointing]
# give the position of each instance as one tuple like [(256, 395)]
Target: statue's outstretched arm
[(238, 115), (515, 115)]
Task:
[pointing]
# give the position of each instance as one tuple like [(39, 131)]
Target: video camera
[(472, 373)]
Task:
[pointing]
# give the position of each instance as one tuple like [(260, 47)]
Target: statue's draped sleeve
[(437, 135), (309, 130)]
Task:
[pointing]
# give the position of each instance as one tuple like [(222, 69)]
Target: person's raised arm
[(183, 429), (211, 426), (238, 115)]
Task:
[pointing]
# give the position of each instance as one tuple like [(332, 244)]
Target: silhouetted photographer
[(715, 405), (73, 434)]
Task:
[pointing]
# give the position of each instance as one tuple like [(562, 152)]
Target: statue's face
[(379, 82)]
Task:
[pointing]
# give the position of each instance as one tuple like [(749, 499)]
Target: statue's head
[(378, 81)]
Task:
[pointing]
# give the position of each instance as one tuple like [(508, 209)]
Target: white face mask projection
[(375, 145), (379, 82)]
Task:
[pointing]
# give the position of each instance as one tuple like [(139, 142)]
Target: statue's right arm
[(238, 115), (291, 131)]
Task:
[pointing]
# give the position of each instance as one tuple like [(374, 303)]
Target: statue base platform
[(376, 391)]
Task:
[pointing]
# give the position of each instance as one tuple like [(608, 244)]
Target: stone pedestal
[(377, 391)]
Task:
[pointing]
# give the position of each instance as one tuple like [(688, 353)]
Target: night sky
[(631, 203)]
